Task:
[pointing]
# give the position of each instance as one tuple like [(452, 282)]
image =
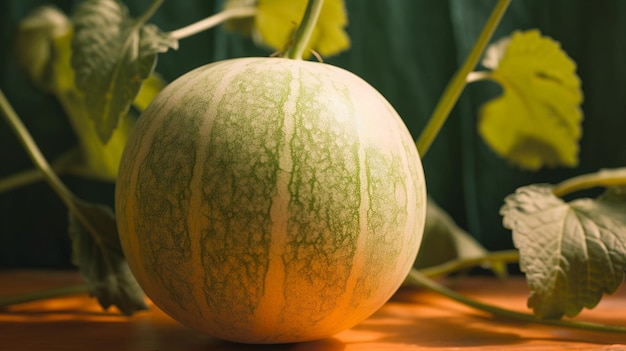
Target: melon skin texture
[(268, 200)]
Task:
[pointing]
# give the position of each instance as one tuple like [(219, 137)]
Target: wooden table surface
[(413, 320)]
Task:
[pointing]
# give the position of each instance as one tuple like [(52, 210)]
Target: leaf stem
[(603, 178), (212, 21), (45, 294), (69, 199), (69, 163), (20, 179), (457, 84), (303, 33), (418, 279), (477, 76), (506, 256), (35, 153), (154, 6), (34, 175)]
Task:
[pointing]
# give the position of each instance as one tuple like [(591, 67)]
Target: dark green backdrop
[(408, 49)]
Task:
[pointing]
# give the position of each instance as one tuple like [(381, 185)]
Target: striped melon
[(268, 200)]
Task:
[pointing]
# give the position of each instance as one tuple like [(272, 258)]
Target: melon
[(269, 200)]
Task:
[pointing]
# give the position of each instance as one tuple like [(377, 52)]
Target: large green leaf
[(537, 119), (572, 253), (98, 254), (44, 52), (35, 50), (112, 54)]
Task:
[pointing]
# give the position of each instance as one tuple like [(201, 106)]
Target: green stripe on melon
[(268, 200)]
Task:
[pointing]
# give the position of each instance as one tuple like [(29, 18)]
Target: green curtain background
[(407, 49)]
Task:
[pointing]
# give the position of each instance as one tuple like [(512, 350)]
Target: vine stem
[(304, 31), (604, 178), (505, 256), (20, 179), (45, 294), (35, 153), (33, 175), (418, 279), (140, 22), (212, 21), (477, 75), (150, 11), (72, 202), (458, 82)]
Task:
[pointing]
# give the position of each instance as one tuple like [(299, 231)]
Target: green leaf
[(537, 119), (98, 254), (36, 47), (111, 55), (43, 49), (572, 253), (150, 88), (100, 157)]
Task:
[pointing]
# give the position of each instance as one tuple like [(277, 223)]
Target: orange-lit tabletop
[(413, 320)]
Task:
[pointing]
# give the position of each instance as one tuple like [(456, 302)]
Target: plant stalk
[(303, 33), (212, 21), (154, 6), (33, 175), (457, 84), (35, 153), (602, 178), (45, 294), (477, 76), (418, 279), (507, 256), (20, 179)]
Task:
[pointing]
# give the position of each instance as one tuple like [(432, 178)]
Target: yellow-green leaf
[(43, 47), (150, 87), (112, 53), (100, 158), (277, 20), (34, 45), (537, 120)]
